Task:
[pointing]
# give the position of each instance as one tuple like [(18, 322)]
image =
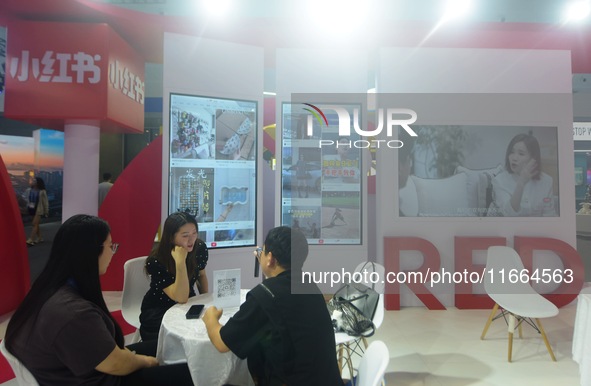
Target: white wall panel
[(204, 67), (484, 88), (330, 74)]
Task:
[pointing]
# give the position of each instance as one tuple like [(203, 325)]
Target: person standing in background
[(104, 187), (37, 206)]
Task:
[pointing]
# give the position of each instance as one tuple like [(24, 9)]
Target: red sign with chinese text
[(61, 71)]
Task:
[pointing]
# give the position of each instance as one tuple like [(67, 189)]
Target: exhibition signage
[(582, 131), (60, 71), (344, 119), (564, 280)]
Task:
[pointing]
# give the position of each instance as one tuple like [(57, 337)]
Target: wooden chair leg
[(489, 321), (340, 358), (510, 329), (510, 347), (520, 330), (545, 339)]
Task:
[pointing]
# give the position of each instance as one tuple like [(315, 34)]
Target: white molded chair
[(373, 364), (348, 345), (135, 285), (23, 376), (518, 302)]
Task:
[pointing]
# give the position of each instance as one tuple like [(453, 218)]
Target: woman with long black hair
[(175, 266), (63, 332)]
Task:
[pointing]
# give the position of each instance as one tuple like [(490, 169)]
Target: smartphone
[(195, 311)]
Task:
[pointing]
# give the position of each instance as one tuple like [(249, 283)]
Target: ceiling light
[(339, 16), (456, 9), (217, 7), (577, 10)]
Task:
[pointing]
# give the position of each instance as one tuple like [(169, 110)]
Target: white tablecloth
[(185, 340), (582, 337)]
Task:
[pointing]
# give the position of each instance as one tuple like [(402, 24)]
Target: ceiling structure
[(523, 24), (510, 11)]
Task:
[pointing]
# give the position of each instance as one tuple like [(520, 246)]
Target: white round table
[(185, 340)]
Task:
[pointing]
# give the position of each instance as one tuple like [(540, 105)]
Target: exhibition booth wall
[(527, 91), (217, 97), (480, 99)]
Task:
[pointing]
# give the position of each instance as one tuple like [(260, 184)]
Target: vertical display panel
[(321, 174), (212, 176)]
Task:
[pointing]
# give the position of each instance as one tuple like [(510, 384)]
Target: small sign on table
[(226, 288)]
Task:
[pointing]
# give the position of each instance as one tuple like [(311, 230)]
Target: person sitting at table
[(287, 338), (175, 266), (63, 332)]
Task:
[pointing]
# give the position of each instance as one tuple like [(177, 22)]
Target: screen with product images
[(213, 164), (320, 176)]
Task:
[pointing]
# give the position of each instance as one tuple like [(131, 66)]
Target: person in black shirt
[(174, 266), (287, 338)]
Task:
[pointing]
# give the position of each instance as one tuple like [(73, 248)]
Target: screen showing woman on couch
[(480, 171)]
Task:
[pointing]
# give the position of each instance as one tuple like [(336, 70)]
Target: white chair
[(23, 376), (373, 364), (518, 302), (135, 285), (348, 345)]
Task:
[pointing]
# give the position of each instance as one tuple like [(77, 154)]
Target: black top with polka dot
[(156, 302)]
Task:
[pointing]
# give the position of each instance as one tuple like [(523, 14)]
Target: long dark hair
[(74, 256), (40, 183), (162, 252), (533, 147)]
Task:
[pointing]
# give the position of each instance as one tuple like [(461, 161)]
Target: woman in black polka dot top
[(175, 266)]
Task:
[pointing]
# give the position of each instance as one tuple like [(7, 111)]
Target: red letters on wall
[(570, 258), (432, 262), (463, 260), (464, 246)]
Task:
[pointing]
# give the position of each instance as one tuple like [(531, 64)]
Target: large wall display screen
[(320, 177), (479, 171), (213, 152)]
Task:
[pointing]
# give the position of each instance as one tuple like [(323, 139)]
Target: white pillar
[(81, 167)]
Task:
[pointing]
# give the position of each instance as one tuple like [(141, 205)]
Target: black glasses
[(114, 247)]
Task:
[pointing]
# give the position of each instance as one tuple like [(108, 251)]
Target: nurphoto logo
[(391, 118)]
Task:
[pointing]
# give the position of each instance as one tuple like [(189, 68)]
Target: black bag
[(353, 307)]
